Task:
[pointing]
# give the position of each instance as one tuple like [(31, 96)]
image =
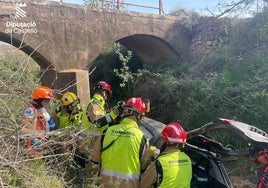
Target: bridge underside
[(150, 49)]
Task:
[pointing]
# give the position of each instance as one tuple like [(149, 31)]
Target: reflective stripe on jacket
[(122, 158), (174, 170)]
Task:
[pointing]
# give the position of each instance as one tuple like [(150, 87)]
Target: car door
[(253, 138)]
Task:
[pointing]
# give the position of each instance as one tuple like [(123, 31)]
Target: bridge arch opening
[(150, 49), (47, 71), (147, 51), (33, 53)]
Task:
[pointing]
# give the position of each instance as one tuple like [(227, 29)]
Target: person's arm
[(94, 112), (145, 157), (112, 117), (149, 177)]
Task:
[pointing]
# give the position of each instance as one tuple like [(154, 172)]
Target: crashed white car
[(206, 153)]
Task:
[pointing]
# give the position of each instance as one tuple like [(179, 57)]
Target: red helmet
[(105, 86), (43, 92), (174, 133), (136, 104)]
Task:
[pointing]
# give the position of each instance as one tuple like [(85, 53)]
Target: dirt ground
[(239, 182)]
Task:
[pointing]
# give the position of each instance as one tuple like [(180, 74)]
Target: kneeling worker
[(172, 168)]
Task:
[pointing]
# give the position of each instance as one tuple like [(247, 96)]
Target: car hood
[(255, 138)]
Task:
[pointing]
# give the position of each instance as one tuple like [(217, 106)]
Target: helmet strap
[(103, 93), (139, 116), (163, 147), (68, 110), (130, 112), (127, 113), (37, 103), (136, 114)]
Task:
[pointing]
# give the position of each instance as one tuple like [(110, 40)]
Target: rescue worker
[(123, 151), (37, 121), (96, 119), (70, 112), (172, 168), (96, 109), (69, 115)]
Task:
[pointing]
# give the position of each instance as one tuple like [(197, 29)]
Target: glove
[(117, 110), (51, 123), (36, 142), (154, 152)]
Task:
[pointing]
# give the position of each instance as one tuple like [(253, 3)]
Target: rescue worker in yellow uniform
[(96, 119), (70, 112), (123, 151), (69, 115), (96, 109), (37, 122), (172, 168)]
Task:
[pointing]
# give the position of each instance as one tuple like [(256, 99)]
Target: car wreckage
[(206, 153)]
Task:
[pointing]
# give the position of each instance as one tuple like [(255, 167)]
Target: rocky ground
[(239, 182)]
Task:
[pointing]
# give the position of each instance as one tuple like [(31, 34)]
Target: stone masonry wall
[(208, 35)]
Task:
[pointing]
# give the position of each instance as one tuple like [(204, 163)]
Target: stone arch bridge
[(64, 38)]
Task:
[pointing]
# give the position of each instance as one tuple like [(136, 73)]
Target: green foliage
[(249, 37), (19, 74), (38, 175), (124, 72), (119, 67), (242, 85), (173, 98), (127, 75), (18, 77)]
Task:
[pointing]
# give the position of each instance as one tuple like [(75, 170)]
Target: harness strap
[(159, 171)]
